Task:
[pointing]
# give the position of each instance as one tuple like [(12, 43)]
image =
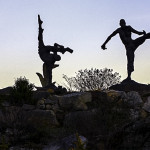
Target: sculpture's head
[(122, 23)]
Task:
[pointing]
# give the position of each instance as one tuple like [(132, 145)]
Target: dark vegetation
[(22, 92)]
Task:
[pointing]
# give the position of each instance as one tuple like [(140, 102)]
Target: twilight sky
[(82, 25)]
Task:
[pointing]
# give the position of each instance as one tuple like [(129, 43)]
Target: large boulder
[(75, 101), (5, 91), (134, 135), (41, 118), (135, 113), (116, 95), (104, 98), (66, 143), (82, 121), (134, 99)]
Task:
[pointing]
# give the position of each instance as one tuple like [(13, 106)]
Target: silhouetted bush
[(93, 79), (22, 92)]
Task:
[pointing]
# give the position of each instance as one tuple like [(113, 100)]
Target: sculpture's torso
[(125, 35)]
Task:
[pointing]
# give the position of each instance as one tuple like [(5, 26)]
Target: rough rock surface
[(131, 86), (65, 143), (80, 120), (5, 91), (75, 101), (28, 107), (101, 116), (41, 94), (135, 135), (42, 117), (133, 98), (146, 105)]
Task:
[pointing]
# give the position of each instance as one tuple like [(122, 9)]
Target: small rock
[(42, 101), (48, 101), (134, 114), (48, 107), (5, 104), (50, 90), (65, 143), (9, 132), (133, 99), (41, 104), (146, 105), (56, 108), (143, 114), (28, 107)]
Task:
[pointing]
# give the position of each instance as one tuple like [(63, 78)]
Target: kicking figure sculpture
[(131, 45), (49, 56)]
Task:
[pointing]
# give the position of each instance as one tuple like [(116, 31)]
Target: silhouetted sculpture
[(131, 45), (49, 56)]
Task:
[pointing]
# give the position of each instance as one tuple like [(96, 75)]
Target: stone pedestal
[(131, 86)]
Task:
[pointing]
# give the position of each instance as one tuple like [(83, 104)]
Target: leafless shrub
[(93, 79)]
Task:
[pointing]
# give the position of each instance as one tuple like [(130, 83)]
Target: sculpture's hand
[(144, 32), (103, 47)]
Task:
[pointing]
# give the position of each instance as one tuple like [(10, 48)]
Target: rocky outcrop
[(135, 135), (103, 117), (75, 101), (131, 86), (5, 91)]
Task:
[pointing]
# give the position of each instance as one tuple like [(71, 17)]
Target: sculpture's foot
[(128, 79)]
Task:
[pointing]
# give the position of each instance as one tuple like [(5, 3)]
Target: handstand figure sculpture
[(131, 45), (49, 56)]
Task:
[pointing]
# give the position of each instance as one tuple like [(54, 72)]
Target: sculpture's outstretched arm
[(137, 32), (108, 39), (40, 36)]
